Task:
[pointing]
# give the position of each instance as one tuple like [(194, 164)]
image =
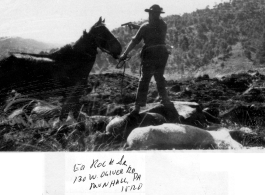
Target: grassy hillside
[(229, 37)]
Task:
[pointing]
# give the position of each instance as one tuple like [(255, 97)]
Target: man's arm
[(135, 40), (128, 50)]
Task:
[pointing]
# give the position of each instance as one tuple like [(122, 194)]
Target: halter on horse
[(63, 72)]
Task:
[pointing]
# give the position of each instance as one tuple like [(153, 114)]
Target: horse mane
[(62, 51)]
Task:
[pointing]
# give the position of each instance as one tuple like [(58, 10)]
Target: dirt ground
[(237, 100)]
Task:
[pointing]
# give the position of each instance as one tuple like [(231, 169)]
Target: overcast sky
[(62, 21)]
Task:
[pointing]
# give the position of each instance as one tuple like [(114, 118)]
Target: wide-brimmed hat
[(155, 8)]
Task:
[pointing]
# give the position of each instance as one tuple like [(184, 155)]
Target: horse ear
[(103, 20), (100, 20), (84, 32)]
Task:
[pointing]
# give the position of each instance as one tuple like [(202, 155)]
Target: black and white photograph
[(132, 96)]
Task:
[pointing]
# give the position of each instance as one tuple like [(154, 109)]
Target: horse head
[(104, 39)]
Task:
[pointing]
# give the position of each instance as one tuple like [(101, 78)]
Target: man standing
[(154, 56)]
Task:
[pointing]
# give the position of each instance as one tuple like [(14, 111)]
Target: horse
[(62, 73), (177, 136)]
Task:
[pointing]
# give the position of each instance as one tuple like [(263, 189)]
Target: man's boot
[(136, 110), (167, 103)]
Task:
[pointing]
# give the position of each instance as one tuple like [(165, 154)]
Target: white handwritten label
[(105, 172)]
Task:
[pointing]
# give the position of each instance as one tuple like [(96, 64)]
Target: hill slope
[(201, 37), (236, 62), (17, 44)]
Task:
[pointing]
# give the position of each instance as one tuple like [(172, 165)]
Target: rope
[(122, 78), (121, 64)]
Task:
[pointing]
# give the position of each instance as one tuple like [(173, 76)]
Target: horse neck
[(89, 47), (84, 51)]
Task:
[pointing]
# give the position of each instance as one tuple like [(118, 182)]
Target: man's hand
[(123, 57), (129, 48)]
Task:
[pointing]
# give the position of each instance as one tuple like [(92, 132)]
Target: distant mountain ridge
[(18, 44)]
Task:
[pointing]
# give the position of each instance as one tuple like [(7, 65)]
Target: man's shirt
[(152, 34)]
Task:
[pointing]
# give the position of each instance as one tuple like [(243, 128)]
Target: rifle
[(131, 25), (125, 24)]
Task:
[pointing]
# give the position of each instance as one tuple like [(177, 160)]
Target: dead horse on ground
[(177, 136), (61, 73)]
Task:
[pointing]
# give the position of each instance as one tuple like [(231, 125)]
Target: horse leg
[(71, 102), (78, 83)]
